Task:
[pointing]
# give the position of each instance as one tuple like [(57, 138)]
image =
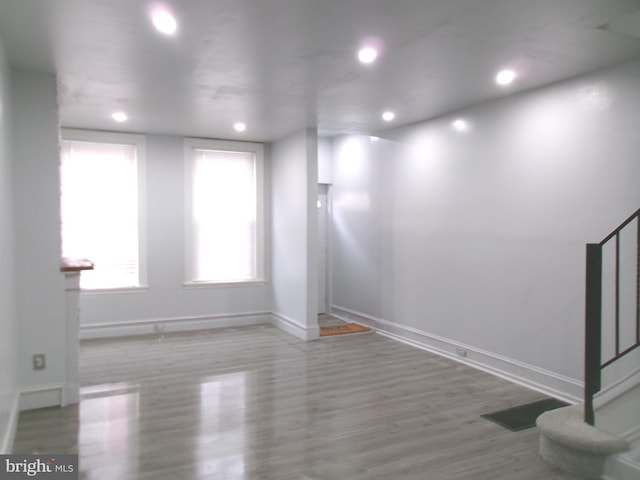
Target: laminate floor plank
[(327, 320), (255, 403)]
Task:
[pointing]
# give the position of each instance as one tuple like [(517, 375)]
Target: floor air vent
[(523, 416)]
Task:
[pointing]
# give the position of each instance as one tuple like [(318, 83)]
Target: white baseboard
[(54, 395), (162, 325), (617, 409), (42, 396), (6, 441), (617, 389), (294, 327), (545, 381), (632, 436)]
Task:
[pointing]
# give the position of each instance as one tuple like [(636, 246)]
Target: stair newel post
[(593, 328)]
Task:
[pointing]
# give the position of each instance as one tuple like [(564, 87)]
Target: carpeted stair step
[(572, 445)]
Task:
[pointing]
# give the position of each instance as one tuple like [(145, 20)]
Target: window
[(100, 178), (224, 212)]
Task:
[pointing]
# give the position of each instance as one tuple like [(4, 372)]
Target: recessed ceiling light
[(505, 77), (460, 125), (164, 22), (240, 127), (119, 116), (388, 116), (367, 54)]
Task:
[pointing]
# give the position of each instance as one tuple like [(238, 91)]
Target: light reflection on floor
[(109, 423), (109, 429), (221, 441)]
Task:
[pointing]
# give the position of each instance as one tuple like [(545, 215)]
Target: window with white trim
[(224, 212), (100, 183)]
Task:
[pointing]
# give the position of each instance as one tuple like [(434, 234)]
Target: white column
[(71, 393)]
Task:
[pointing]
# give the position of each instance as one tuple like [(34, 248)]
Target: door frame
[(328, 210)]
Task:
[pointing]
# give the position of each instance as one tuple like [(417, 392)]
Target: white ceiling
[(281, 65)]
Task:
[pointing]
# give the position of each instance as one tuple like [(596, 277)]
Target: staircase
[(573, 445), (601, 439), (617, 410)]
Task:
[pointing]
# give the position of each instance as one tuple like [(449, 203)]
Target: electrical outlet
[(461, 352), (39, 361)]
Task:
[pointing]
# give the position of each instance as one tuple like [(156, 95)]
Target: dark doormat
[(523, 416)]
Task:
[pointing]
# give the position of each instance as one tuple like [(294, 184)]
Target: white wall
[(476, 239), (294, 176), (325, 162), (39, 283), (8, 321), (166, 301)]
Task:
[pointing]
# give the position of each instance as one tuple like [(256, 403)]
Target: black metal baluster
[(593, 328), (593, 315), (638, 280), (617, 293)]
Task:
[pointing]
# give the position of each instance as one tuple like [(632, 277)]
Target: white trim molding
[(293, 327), (6, 442), (206, 322), (258, 282), (42, 396), (632, 436), (617, 389), (539, 379), (622, 466), (181, 324)]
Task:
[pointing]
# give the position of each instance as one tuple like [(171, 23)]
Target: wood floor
[(257, 403), (326, 320)]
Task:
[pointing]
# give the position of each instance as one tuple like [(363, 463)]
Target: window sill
[(241, 283), (110, 291)]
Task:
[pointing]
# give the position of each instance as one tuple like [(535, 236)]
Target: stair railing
[(594, 363)]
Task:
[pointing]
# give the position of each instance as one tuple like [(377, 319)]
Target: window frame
[(191, 144), (139, 142)]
